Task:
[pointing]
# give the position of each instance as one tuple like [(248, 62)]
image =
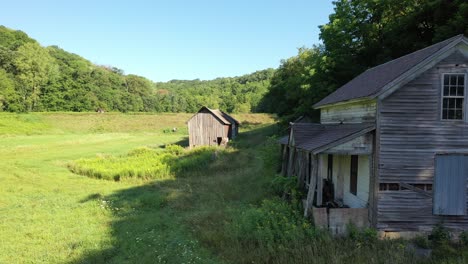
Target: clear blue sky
[(173, 39)]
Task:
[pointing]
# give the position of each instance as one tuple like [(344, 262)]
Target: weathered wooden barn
[(211, 127), (391, 148)]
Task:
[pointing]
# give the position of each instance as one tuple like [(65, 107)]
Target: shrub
[(274, 223), (364, 235), (283, 185), (174, 149), (141, 151), (422, 242), (464, 238), (440, 235)]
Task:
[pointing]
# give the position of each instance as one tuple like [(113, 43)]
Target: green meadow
[(49, 214), (117, 188)]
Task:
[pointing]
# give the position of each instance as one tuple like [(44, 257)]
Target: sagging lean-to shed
[(211, 127), (391, 148)]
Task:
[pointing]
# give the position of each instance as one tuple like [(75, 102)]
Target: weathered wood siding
[(362, 145), (204, 129), (411, 133), (348, 113)]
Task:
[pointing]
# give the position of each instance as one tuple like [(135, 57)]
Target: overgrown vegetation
[(145, 163)]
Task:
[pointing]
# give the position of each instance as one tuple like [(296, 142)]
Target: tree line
[(36, 78), (360, 34)]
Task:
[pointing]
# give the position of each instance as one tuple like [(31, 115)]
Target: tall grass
[(144, 163)]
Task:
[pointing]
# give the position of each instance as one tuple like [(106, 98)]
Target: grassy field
[(50, 215), (207, 206)]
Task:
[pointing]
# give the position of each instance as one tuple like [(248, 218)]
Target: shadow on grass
[(182, 220)]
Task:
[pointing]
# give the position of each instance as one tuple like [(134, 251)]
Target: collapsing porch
[(334, 165)]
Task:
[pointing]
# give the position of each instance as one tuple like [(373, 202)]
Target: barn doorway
[(219, 140)]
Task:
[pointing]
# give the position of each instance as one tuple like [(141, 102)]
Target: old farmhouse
[(211, 127), (391, 148)]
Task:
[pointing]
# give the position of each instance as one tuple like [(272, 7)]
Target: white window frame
[(465, 104)]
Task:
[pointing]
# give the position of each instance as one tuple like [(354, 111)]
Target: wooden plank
[(320, 180), (312, 186), (415, 189), (349, 113)]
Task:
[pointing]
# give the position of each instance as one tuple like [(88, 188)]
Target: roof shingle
[(312, 136)]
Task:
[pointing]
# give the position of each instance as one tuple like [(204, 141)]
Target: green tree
[(8, 96), (34, 67)]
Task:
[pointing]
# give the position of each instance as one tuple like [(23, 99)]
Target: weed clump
[(275, 222)]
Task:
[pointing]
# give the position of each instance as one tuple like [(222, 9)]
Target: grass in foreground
[(222, 212)]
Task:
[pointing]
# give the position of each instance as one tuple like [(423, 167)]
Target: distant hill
[(36, 78)]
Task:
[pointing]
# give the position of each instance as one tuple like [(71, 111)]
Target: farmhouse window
[(450, 184), (453, 96), (353, 175)]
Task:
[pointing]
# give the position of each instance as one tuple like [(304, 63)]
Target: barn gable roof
[(316, 138), (220, 115), (376, 80)]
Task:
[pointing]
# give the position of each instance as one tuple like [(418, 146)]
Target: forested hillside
[(36, 78), (360, 34)]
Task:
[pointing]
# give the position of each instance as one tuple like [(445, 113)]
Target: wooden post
[(291, 161), (371, 201), (319, 180), (298, 170), (284, 161), (312, 185), (339, 193)]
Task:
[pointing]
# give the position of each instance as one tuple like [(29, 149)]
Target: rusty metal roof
[(314, 137), (372, 81)]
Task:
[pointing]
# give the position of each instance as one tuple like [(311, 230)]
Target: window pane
[(453, 80), (461, 80), (451, 103), (445, 114), (451, 114), (446, 90), (458, 114), (445, 103), (453, 90), (446, 80), (459, 103), (460, 90)]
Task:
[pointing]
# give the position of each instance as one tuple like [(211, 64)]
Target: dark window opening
[(219, 140), (353, 174), (394, 186), (330, 167)]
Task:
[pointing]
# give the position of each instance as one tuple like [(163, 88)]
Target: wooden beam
[(312, 185), (339, 191), (415, 189), (292, 150), (320, 180)]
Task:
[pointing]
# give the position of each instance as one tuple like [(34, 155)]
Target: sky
[(174, 39)]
